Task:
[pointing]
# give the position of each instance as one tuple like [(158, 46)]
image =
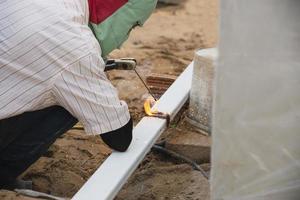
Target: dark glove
[(119, 139)]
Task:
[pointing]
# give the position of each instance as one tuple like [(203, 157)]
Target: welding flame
[(149, 103)]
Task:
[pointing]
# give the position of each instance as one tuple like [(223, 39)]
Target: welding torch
[(130, 64), (126, 64)]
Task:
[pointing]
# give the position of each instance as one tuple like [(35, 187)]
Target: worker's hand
[(119, 139)]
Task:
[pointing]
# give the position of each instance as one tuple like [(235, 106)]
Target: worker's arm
[(84, 90), (119, 139)]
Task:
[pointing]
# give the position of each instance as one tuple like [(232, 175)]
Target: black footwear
[(16, 184)]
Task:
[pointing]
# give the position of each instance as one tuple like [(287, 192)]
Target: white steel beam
[(108, 179)]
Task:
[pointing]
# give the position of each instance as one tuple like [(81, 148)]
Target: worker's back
[(38, 40)]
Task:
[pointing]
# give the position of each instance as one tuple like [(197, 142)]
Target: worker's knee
[(119, 139)]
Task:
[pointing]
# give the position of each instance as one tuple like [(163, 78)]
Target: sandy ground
[(166, 44)]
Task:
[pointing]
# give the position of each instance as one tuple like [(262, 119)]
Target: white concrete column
[(256, 118), (200, 107)]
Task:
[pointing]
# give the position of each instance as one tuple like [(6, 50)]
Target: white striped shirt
[(49, 56)]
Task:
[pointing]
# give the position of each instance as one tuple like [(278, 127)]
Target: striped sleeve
[(84, 90)]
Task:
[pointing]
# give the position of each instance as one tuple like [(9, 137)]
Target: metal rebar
[(144, 84)]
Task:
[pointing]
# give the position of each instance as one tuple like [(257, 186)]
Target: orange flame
[(148, 107)]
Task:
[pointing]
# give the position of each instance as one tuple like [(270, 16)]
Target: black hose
[(180, 157)]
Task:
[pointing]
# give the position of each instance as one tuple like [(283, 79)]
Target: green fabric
[(113, 31)]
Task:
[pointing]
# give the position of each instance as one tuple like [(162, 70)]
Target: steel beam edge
[(109, 178)]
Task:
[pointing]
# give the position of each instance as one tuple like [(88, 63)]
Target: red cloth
[(102, 9)]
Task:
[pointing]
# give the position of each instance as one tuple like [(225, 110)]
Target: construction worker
[(51, 76)]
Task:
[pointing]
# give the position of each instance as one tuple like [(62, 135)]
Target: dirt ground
[(165, 45)]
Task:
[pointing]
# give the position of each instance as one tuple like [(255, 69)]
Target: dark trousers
[(24, 138)]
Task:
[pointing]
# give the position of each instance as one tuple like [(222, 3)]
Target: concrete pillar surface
[(200, 107)]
